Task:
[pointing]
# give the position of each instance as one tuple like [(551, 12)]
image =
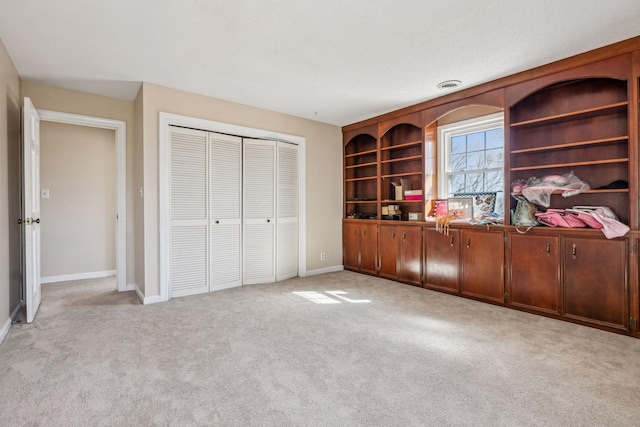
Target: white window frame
[(448, 131)]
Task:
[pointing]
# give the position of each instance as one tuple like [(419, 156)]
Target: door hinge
[(506, 239), (632, 321), (633, 249), (506, 296)]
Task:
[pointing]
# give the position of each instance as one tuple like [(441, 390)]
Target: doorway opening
[(119, 128)]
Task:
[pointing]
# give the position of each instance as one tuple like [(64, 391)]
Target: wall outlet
[(323, 256)]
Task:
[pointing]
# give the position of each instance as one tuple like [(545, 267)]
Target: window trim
[(446, 132)]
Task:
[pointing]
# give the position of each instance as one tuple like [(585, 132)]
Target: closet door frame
[(168, 119)]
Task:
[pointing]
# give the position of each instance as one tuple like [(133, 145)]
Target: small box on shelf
[(401, 187), (413, 194)]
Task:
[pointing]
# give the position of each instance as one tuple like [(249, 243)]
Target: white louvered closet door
[(225, 201), (259, 206), (287, 211), (188, 211)]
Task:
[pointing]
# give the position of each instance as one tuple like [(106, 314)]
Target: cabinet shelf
[(360, 201), (573, 115), (361, 165), (396, 202), (397, 175), (400, 146), (366, 178), (571, 164), (594, 191), (402, 159), (571, 145), (361, 153)]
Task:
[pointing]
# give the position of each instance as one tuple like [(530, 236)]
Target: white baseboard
[(146, 300), (331, 269), (5, 330), (80, 276), (15, 311)]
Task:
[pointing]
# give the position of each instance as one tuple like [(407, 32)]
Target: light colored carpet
[(264, 355)]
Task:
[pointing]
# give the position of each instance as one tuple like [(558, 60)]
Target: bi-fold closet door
[(234, 211), (270, 211)]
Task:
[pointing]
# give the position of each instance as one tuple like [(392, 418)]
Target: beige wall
[(9, 228), (323, 170), (78, 229), (69, 101)]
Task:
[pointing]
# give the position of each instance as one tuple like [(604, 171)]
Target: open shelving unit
[(402, 158), (361, 176), (580, 126)]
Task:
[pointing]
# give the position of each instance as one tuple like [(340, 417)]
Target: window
[(471, 157)]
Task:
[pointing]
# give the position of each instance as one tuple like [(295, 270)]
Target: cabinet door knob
[(548, 248), (451, 241), (573, 251), (468, 242), (404, 236), (393, 234)]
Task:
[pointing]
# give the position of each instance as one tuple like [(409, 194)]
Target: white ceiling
[(334, 61)]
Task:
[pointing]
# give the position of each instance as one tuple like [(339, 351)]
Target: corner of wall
[(138, 175)]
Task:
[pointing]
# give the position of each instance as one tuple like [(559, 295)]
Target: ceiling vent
[(449, 84)]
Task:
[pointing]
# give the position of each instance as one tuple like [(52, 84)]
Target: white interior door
[(31, 208), (287, 211), (225, 223), (259, 211), (188, 272)]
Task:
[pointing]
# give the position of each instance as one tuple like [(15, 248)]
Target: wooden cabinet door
[(534, 276), (483, 264), (411, 254), (369, 248), (441, 260), (350, 245), (389, 251), (595, 281)]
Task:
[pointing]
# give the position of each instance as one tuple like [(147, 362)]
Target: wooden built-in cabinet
[(534, 273), (595, 282), (579, 278), (578, 115), (482, 264), (441, 260), (389, 257), (401, 253), (360, 246), (410, 241)]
